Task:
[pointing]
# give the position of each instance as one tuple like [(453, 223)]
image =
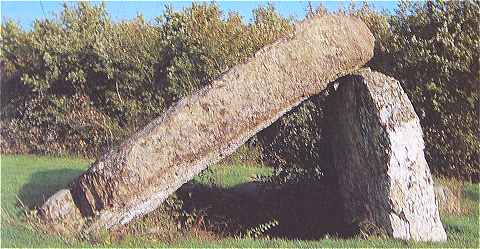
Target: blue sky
[(25, 12)]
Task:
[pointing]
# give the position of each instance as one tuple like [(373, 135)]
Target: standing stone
[(136, 177), (377, 152)]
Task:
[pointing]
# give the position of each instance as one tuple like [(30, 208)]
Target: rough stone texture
[(377, 152), (143, 171), (59, 206), (61, 212)]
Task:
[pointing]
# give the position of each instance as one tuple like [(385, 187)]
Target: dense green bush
[(295, 140), (85, 82)]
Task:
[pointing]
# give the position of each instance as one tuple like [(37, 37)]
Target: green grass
[(27, 180), (228, 176)]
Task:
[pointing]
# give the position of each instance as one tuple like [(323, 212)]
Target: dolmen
[(136, 177)]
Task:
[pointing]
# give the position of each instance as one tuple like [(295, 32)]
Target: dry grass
[(453, 205)]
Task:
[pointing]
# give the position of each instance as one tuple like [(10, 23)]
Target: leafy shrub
[(78, 72), (295, 140), (60, 125)]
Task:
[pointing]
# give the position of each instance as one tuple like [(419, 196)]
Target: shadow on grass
[(302, 211), (44, 184)]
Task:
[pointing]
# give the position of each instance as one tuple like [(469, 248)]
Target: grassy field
[(27, 180)]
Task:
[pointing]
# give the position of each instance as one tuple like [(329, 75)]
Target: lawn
[(27, 180)]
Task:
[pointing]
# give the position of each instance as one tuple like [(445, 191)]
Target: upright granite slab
[(136, 177), (377, 153)]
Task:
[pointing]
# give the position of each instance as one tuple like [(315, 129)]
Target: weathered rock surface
[(377, 149), (142, 172), (61, 212)]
